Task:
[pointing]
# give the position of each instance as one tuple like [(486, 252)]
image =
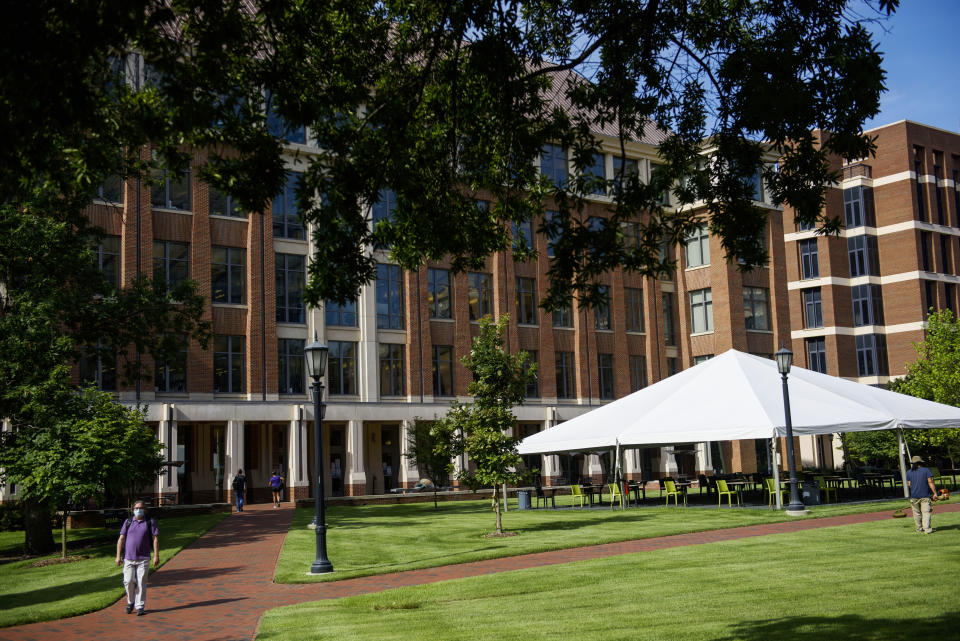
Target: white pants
[(135, 581)]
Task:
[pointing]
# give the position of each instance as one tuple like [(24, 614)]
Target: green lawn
[(868, 582), (30, 594), (378, 539)]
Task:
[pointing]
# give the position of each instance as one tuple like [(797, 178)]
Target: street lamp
[(316, 356), (784, 361)]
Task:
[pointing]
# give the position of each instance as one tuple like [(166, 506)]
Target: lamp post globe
[(315, 355), (784, 358)]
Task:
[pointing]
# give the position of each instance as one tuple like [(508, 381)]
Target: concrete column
[(356, 481), (234, 463), (592, 467), (299, 481), (368, 354), (703, 458), (409, 475), (167, 482)]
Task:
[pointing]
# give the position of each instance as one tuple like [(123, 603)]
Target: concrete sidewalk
[(218, 588)]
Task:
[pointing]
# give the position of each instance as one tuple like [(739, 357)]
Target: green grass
[(866, 582), (378, 539), (30, 594)]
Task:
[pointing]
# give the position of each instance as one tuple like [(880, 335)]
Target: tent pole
[(775, 468), (901, 449)]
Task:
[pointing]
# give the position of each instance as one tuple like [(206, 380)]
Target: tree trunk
[(496, 508), (38, 533)]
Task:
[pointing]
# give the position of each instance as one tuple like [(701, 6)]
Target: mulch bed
[(58, 560)]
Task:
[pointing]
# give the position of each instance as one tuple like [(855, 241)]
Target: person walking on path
[(133, 551), (922, 493), (276, 486), (239, 489)]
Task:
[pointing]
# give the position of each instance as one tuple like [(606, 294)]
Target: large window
[(290, 364), (389, 297), (918, 172), (701, 311), (628, 168), (565, 375), (669, 326), (857, 206), (523, 235), (638, 372), (925, 263), (595, 174), (286, 217), (809, 262), (480, 295), (871, 355), (817, 355), (862, 251), (812, 307), (563, 316), (633, 301), (698, 247), (337, 315), (601, 313), (290, 276), (657, 172), (756, 308), (171, 262), (438, 293), (552, 219), (867, 305), (108, 259), (171, 377), (99, 369), (526, 301), (227, 274), (553, 164), (223, 204), (228, 357), (605, 375), (442, 370), (170, 190), (383, 210), (111, 189), (392, 380), (342, 368), (533, 387), (280, 128)]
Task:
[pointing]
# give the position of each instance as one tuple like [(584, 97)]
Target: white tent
[(738, 396)]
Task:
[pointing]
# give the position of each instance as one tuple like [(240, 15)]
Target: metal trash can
[(523, 499), (810, 493)]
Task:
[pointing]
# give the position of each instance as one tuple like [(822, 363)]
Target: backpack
[(237, 484), (126, 525)]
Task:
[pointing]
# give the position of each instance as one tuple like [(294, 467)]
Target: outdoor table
[(682, 486), (738, 486), (637, 488), (952, 473), (590, 490)]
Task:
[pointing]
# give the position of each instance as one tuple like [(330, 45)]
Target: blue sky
[(923, 70)]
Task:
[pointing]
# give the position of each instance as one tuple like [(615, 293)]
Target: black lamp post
[(316, 355), (784, 361)]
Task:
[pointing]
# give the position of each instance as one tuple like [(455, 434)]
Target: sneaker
[(140, 612), (930, 531), (129, 608)]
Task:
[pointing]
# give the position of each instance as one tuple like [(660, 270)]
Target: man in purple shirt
[(133, 550)]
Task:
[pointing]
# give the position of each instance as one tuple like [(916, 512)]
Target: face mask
[(138, 513)]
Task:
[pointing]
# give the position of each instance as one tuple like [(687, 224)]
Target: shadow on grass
[(63, 591), (846, 628)]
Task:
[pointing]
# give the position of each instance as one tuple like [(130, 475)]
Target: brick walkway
[(217, 589)]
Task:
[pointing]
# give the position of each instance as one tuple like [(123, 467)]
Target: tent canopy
[(738, 396)]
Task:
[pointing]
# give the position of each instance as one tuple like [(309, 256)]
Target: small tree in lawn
[(499, 382), (431, 445)]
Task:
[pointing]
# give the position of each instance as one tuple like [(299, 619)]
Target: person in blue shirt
[(922, 493)]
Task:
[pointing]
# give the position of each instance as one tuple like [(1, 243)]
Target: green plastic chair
[(772, 491), (724, 490), (671, 489), (576, 495), (827, 489), (615, 495)]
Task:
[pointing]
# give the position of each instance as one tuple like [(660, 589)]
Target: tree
[(431, 445), (93, 445), (500, 382)]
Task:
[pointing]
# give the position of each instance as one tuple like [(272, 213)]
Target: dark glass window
[(290, 276), (171, 262), (523, 235), (108, 259), (858, 206), (552, 217), (871, 355), (563, 316), (443, 370), (171, 377), (867, 305), (756, 308), (629, 168), (280, 128), (553, 164), (392, 382), (595, 174), (389, 297), (228, 364), (701, 311), (383, 210), (633, 299), (862, 252), (227, 274), (565, 375), (605, 375), (480, 295), (638, 373), (338, 315), (286, 216), (223, 204), (170, 190), (533, 387), (526, 301), (290, 364), (698, 247), (812, 307), (601, 313), (342, 368), (669, 326), (438, 293), (99, 369), (816, 355), (925, 262), (111, 189), (809, 262)]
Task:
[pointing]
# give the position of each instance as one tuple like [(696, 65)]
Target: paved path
[(218, 588)]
